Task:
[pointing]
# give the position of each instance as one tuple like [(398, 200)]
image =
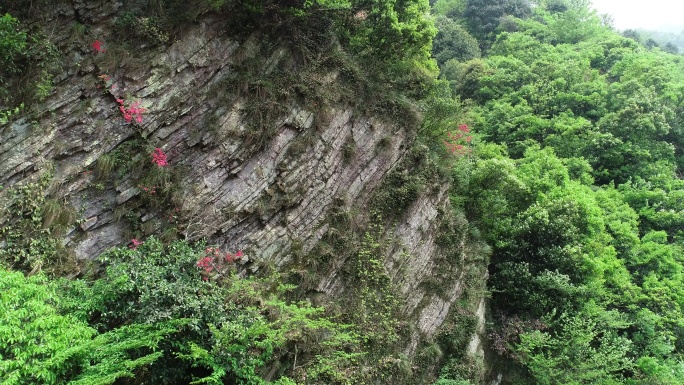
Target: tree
[(651, 43), (394, 29), (556, 6), (465, 76), (632, 34), (452, 9), (483, 16), (671, 48), (584, 349), (579, 22), (453, 42)]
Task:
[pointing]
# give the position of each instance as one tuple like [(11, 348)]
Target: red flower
[(135, 110), (97, 46), (135, 243), (159, 158), (206, 263), (456, 142)]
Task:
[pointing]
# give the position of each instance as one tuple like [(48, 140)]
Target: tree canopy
[(581, 199)]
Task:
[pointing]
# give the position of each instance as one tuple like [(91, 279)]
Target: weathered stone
[(88, 223), (259, 198)]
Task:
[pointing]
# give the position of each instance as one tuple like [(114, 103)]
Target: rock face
[(266, 196)]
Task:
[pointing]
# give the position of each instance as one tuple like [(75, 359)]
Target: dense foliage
[(575, 183), (26, 64), (180, 312), (42, 344)]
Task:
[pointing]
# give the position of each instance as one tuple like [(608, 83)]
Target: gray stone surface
[(238, 196)]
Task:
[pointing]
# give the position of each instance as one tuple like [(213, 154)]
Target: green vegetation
[(40, 343), (32, 229), (154, 313), (562, 143), (575, 185), (13, 44), (27, 60)]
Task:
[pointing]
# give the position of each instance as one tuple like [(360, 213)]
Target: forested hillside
[(668, 41), (575, 182), (449, 192)]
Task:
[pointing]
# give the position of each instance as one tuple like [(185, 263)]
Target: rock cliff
[(294, 182)]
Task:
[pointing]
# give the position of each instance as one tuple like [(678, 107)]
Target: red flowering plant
[(459, 142), (135, 243), (129, 111), (174, 215), (97, 47), (216, 264), (159, 157), (152, 190), (156, 182), (134, 110), (159, 176)]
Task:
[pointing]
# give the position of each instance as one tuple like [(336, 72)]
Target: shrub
[(234, 327), (13, 43), (40, 345), (25, 64)]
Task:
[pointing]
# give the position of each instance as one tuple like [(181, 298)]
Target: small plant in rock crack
[(130, 111), (159, 157), (134, 110), (97, 47), (216, 264)]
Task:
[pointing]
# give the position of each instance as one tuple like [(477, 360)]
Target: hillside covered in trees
[(542, 149), (575, 183)]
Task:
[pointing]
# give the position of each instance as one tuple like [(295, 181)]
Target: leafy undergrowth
[(167, 314)]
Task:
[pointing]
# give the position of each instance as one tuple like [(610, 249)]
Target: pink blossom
[(135, 243), (134, 110), (97, 46), (159, 158), (206, 263)]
